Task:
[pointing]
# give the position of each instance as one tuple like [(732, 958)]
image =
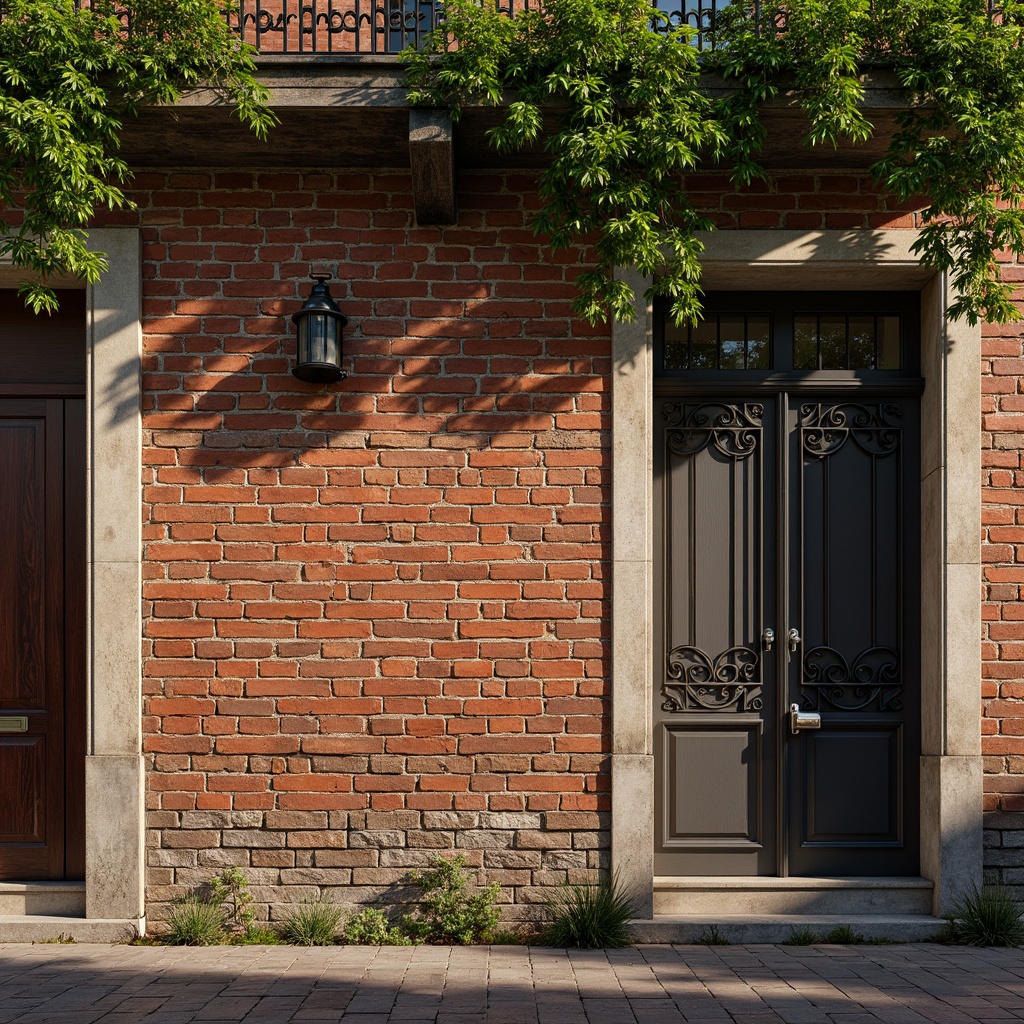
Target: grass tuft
[(590, 917), (195, 922), (842, 935), (989, 916), (313, 923), (257, 936), (801, 937), (713, 937)]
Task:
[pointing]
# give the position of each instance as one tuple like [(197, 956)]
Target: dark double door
[(789, 577)]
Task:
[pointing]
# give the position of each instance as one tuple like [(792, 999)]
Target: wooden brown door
[(42, 649)]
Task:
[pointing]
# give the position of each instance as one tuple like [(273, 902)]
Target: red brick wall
[(376, 613), (1002, 610)]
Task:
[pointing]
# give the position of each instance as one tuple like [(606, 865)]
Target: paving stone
[(913, 984)]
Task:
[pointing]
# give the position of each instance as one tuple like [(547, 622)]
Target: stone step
[(63, 899), (51, 927), (714, 896), (737, 929)]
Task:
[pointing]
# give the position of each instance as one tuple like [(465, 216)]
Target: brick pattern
[(801, 200), (376, 613), (1002, 608)]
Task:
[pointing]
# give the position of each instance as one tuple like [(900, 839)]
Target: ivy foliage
[(630, 111), (69, 78), (632, 121)]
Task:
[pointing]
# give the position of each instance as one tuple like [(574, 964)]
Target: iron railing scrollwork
[(389, 26), (696, 682), (734, 430), (311, 27), (337, 26), (871, 682), (826, 428)]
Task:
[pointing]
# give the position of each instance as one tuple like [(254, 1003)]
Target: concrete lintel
[(432, 160), (808, 260)]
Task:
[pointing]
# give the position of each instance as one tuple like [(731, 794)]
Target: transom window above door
[(756, 333)]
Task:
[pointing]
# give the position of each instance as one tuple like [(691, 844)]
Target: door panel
[(853, 485), (847, 806), (23, 794), (714, 732), (721, 758), (32, 638)]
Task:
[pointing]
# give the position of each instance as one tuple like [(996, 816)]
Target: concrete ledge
[(66, 899), (40, 928), (776, 928), (762, 896)]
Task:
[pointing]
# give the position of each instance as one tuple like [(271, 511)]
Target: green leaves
[(962, 146), (449, 914), (635, 113), (632, 122), (68, 79)]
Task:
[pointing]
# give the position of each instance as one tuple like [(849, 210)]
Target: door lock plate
[(800, 720), (13, 723)]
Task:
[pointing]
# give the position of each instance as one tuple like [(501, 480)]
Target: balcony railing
[(312, 27), (307, 27)]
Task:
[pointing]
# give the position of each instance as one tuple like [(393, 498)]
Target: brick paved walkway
[(510, 985)]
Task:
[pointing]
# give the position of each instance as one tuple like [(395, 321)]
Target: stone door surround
[(114, 818), (951, 772)]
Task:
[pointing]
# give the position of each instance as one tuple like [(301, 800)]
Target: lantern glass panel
[(318, 339)]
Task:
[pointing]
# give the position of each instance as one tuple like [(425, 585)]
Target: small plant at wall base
[(313, 922), (218, 911), (590, 917), (371, 927), (449, 913), (195, 921), (230, 891), (636, 113), (989, 916), (69, 78)]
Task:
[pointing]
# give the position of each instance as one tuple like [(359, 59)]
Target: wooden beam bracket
[(432, 158)]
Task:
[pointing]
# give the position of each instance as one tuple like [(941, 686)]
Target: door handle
[(768, 638), (800, 720), (13, 723), (794, 638)]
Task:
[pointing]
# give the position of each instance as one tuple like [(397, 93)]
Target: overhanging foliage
[(635, 117), (69, 77)]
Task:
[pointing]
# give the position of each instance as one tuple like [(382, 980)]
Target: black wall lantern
[(319, 325)]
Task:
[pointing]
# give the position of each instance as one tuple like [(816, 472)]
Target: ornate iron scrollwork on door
[(825, 428), (697, 683), (872, 682), (734, 430)]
